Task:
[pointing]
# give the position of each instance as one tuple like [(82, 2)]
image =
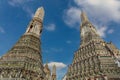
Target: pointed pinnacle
[(84, 17), (40, 13), (54, 69)]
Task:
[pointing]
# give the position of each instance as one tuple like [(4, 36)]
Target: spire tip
[(40, 13), (84, 17)]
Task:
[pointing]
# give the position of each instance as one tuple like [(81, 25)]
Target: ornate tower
[(24, 61), (54, 73), (47, 72), (88, 31), (95, 58)]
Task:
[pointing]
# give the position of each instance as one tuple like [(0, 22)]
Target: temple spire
[(39, 13), (87, 29), (54, 72), (35, 26), (84, 17), (24, 60)]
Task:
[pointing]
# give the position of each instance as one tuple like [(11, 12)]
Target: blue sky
[(61, 34)]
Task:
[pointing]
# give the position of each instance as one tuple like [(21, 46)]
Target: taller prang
[(24, 60)]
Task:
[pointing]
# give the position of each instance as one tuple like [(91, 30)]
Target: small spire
[(46, 65), (54, 70), (84, 17), (40, 13)]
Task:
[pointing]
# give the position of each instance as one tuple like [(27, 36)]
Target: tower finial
[(54, 72), (46, 65), (54, 69), (84, 17), (40, 13), (35, 26)]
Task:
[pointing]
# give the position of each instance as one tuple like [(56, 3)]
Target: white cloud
[(56, 49), (15, 3), (72, 16), (68, 42), (103, 10), (118, 63), (52, 50), (59, 65), (61, 73), (29, 11), (100, 12), (50, 27), (101, 31), (2, 30), (110, 31), (22, 4)]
